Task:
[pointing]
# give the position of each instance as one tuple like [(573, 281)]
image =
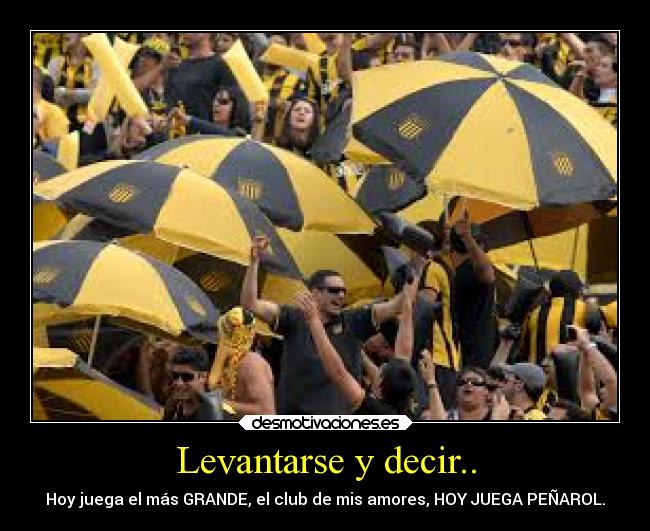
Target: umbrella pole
[(93, 342), (529, 233)]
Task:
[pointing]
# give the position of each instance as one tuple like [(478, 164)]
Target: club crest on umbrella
[(123, 193), (562, 163), (195, 305), (412, 127), (214, 281), (45, 275), (396, 180), (81, 340), (250, 189)]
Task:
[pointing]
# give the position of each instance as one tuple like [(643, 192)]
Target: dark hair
[(398, 383), (239, 116), (195, 357), (604, 46), (476, 370), (285, 139), (316, 279), (573, 411), (565, 283)]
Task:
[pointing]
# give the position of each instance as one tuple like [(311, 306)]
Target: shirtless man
[(243, 376)]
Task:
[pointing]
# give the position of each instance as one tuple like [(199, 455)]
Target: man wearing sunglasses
[(523, 387), (188, 400), (517, 46), (303, 386)]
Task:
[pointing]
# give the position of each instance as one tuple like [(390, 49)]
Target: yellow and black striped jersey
[(546, 326), (445, 351)]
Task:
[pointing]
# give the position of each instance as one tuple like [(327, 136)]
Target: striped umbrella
[(221, 280), (387, 188), (45, 166), (175, 205), (84, 279), (47, 218), (484, 127), (67, 389), (290, 190)]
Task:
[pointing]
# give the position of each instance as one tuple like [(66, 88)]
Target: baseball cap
[(532, 375)]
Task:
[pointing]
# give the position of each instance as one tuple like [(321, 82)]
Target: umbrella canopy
[(484, 127), (45, 166), (175, 205), (47, 218), (502, 226), (357, 258), (290, 190), (220, 280), (66, 389), (74, 279), (387, 188)]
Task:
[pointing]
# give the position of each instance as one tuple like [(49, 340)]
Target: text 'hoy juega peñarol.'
[(540, 499)]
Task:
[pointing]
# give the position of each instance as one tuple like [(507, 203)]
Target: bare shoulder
[(253, 362)]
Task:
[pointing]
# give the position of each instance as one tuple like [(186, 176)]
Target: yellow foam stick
[(244, 71), (102, 97), (69, 150), (314, 43), (116, 75), (278, 54)]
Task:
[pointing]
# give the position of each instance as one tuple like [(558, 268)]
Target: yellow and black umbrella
[(84, 279), (502, 226), (358, 258), (386, 188), (47, 218), (221, 280), (484, 127), (67, 389), (45, 166), (290, 190), (175, 205)]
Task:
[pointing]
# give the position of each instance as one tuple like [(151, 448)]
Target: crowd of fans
[(436, 350)]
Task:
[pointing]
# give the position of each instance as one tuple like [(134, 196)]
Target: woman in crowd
[(300, 129)]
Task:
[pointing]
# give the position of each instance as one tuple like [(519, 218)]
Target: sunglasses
[(512, 43), (333, 291), (185, 376), (462, 382), (222, 101)]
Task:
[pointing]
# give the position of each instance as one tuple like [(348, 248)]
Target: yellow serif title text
[(398, 462)]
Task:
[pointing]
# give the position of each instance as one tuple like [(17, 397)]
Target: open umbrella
[(175, 205), (484, 127), (67, 389), (45, 166), (47, 218), (502, 226), (220, 280), (85, 279), (387, 188), (290, 190), (357, 258)]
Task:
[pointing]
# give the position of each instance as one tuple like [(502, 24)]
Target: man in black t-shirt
[(197, 79), (473, 295), (303, 387)]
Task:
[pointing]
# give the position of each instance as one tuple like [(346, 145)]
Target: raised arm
[(404, 339), (482, 265), (267, 311), (436, 410), (575, 43), (467, 42), (344, 58), (600, 368), (440, 41), (332, 362)]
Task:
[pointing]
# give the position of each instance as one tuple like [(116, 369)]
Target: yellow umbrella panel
[(291, 191), (66, 389), (91, 279), (47, 218)]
